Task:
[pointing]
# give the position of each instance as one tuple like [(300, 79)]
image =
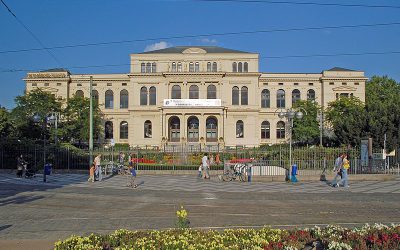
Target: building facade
[(199, 96)]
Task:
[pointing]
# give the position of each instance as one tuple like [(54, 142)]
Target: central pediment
[(194, 50)]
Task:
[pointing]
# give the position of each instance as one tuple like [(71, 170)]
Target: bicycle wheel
[(226, 177), (243, 174)]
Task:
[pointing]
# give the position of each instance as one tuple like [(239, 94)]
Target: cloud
[(157, 46), (209, 41)]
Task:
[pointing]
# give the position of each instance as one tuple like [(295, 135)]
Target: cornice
[(292, 79), (243, 74), (355, 78), (204, 74)]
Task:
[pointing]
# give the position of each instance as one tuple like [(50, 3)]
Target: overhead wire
[(194, 60), (306, 3), (31, 33), (205, 35)]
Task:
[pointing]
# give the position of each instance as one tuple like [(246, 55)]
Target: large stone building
[(199, 95)]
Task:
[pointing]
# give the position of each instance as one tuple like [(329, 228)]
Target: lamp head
[(299, 115), (51, 118), (281, 114), (36, 118), (291, 114)]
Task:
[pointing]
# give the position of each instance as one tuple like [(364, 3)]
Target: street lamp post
[(51, 117), (290, 114)]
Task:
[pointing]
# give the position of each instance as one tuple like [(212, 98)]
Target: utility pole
[(321, 121), (91, 122)]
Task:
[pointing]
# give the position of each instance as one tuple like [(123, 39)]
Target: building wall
[(327, 85)]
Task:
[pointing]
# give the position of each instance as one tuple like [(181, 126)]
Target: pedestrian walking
[(20, 165), (345, 177), (205, 165), (200, 167), (97, 162), (91, 172), (337, 169), (133, 177)]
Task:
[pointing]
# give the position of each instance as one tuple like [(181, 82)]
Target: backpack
[(346, 165)]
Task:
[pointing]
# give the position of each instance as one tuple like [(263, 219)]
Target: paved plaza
[(68, 204)]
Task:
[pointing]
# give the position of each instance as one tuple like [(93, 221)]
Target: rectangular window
[(79, 84), (59, 84), (124, 84), (46, 84), (296, 83), (344, 83), (94, 84), (331, 83), (34, 84), (356, 83), (310, 83), (281, 83), (109, 84)]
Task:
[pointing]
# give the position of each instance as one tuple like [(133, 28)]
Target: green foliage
[(75, 125), (35, 102), (307, 129), (348, 118), (6, 125), (383, 107)]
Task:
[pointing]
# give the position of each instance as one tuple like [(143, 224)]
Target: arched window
[(152, 96), (244, 96), (240, 69), (109, 99), (235, 96), (176, 92), (179, 67), (265, 98), (123, 130), (147, 129), (311, 95), (143, 96), (234, 67), (153, 67), (148, 67), (173, 67), (123, 99), (95, 96), (108, 130), (79, 93), (193, 129), (245, 67), (280, 98), (239, 129), (211, 129), (191, 67), (174, 129), (280, 130), (265, 130), (194, 92), (196, 67), (214, 69), (143, 67), (208, 67), (211, 92), (295, 96)]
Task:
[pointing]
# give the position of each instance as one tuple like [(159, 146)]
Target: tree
[(6, 126), (34, 102), (383, 109), (348, 119), (306, 130), (76, 119)]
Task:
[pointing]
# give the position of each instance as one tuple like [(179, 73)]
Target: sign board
[(112, 142), (364, 153), (192, 103)]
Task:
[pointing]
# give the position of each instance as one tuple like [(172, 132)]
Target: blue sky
[(58, 23)]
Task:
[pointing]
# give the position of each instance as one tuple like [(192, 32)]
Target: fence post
[(68, 158), (35, 157)]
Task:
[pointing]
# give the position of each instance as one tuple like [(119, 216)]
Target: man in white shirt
[(205, 166)]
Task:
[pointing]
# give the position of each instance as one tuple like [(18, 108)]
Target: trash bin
[(47, 169), (294, 173)]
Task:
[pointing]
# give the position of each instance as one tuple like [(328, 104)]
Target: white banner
[(192, 102)]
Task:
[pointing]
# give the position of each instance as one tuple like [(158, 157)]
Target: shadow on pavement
[(4, 227)]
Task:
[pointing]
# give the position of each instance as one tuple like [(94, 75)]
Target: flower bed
[(377, 236)]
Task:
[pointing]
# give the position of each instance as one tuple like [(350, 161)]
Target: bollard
[(249, 173)]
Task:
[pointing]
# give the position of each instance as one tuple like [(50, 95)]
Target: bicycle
[(238, 171)]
